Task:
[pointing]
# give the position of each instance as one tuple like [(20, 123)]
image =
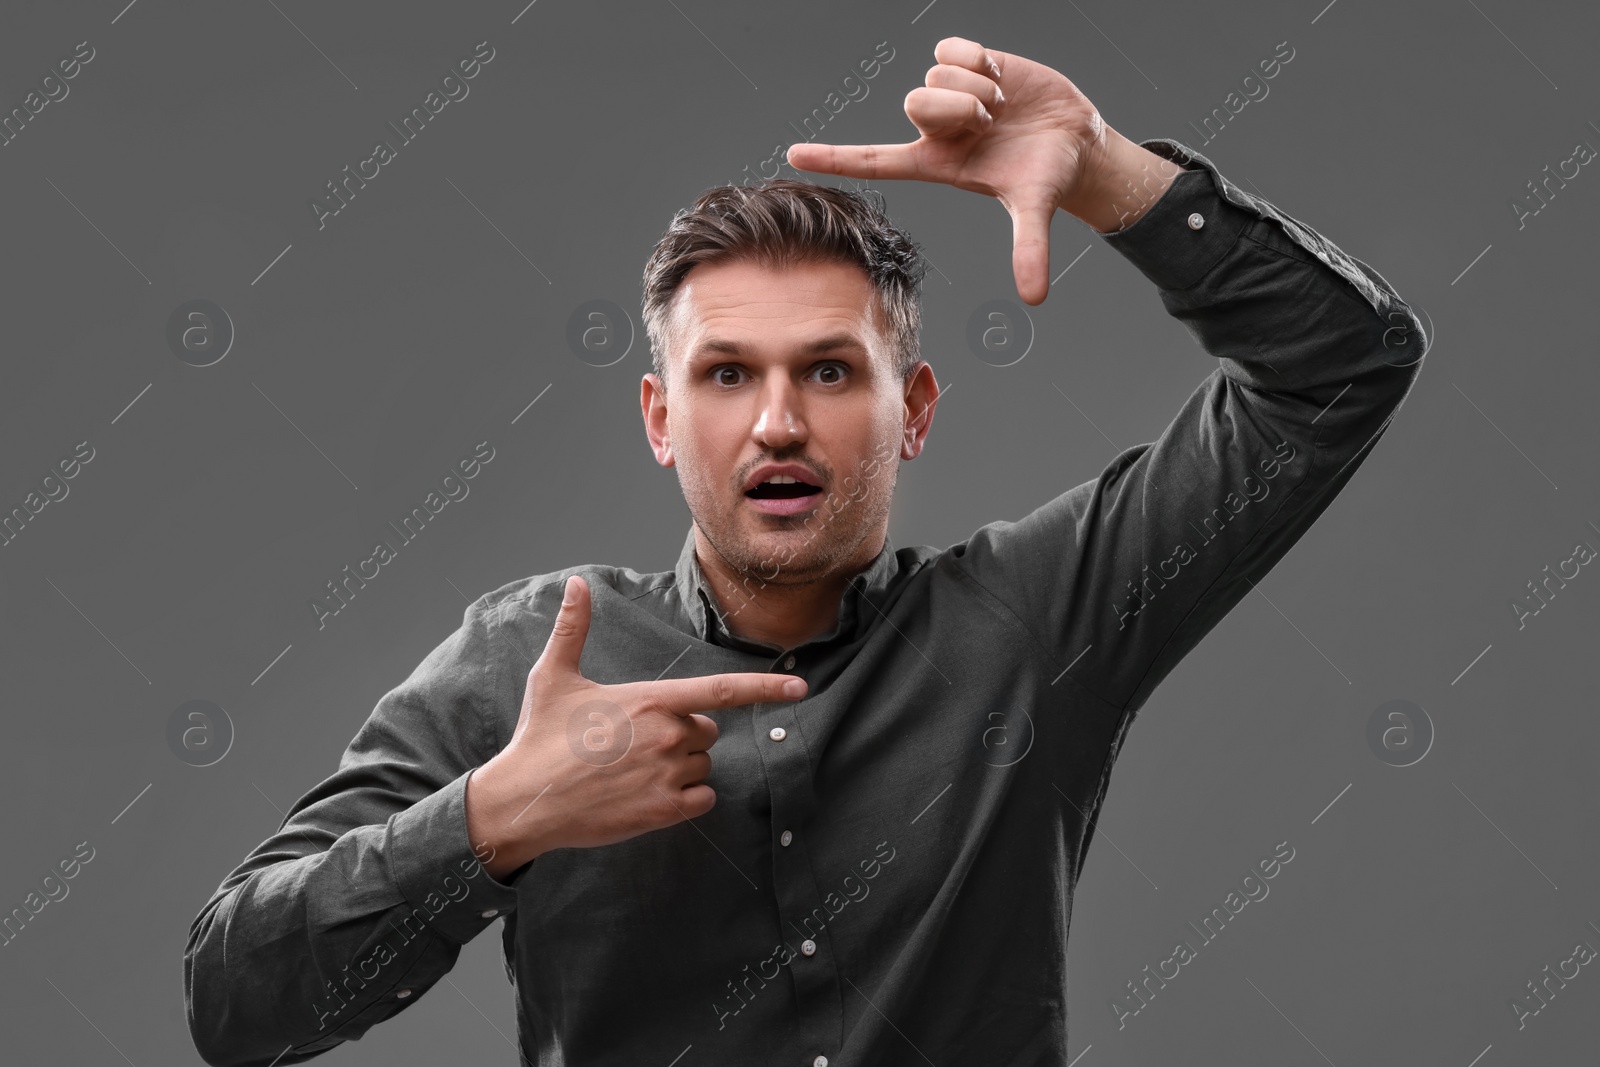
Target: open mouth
[(782, 490), (784, 496)]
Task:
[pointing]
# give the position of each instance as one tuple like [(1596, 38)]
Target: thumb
[(565, 645), (1030, 252)]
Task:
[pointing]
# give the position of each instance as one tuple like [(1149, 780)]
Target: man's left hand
[(998, 124)]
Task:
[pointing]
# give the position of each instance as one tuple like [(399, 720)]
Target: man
[(911, 746)]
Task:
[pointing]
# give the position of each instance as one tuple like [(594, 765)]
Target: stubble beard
[(753, 545)]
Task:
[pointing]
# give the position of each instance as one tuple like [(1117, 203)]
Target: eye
[(839, 367), (718, 372)]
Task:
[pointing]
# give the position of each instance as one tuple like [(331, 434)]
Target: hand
[(592, 764), (992, 123)]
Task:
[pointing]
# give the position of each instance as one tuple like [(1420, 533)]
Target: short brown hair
[(780, 223)]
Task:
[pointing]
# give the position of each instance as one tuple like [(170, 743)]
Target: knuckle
[(722, 691), (651, 704)]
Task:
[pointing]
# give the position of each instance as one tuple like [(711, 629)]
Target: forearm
[(313, 931), (1285, 310)]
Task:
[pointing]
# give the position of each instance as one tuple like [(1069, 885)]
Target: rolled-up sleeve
[(1122, 576), (363, 898)]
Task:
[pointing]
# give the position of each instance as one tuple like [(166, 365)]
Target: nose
[(780, 423)]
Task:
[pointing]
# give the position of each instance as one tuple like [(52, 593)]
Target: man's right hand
[(593, 764)]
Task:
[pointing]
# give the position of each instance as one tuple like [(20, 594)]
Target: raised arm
[(1121, 576)]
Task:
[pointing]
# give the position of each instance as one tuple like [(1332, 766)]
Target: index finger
[(685, 696), (869, 161)]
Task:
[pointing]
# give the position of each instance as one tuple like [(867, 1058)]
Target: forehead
[(746, 301)]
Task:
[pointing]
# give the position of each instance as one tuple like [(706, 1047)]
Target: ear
[(653, 406), (921, 397)]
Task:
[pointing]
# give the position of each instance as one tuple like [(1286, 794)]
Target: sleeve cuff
[(1189, 228), (436, 870)]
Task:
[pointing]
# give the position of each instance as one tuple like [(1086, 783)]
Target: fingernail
[(570, 596), (794, 688)]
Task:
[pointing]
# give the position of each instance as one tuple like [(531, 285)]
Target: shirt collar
[(699, 604)]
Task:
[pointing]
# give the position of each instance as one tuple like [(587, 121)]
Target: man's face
[(785, 366)]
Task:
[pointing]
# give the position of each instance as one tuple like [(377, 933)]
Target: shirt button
[(1196, 221), (777, 733), (820, 1061), (787, 663), (401, 994), (808, 947), (785, 838), (491, 913)]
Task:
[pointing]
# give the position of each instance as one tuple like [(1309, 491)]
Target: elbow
[(1405, 339), (218, 1031)]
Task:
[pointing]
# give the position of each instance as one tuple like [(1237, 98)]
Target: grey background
[(432, 310)]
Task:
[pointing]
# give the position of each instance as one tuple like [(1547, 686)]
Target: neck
[(784, 615)]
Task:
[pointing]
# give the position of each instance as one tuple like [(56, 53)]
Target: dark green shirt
[(887, 875)]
